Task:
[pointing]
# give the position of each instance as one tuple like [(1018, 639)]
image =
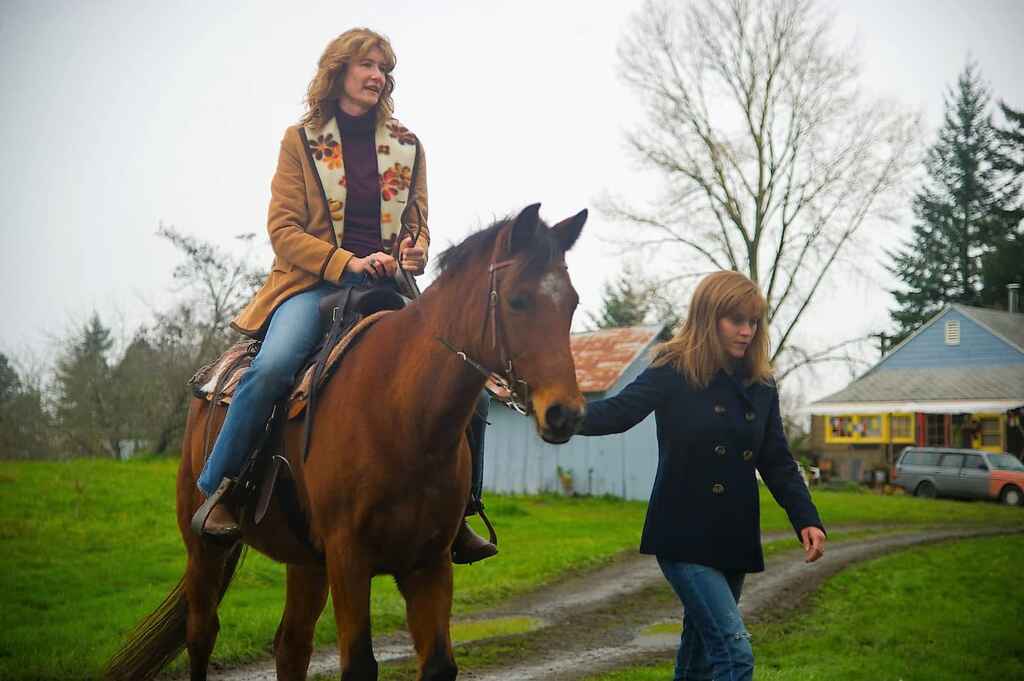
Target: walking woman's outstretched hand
[(814, 543)]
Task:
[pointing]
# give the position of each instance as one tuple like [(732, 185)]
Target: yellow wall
[(856, 428)]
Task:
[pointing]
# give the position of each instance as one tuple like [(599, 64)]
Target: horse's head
[(525, 313)]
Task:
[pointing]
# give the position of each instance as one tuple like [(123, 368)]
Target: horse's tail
[(159, 638)]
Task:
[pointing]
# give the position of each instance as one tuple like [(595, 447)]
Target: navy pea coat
[(704, 507)]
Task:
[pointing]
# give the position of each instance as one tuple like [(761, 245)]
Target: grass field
[(947, 612), (88, 547)]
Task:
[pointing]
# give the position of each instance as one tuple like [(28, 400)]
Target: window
[(991, 433), (841, 427), (911, 458), (953, 332), (951, 460), (935, 430), (871, 426), (902, 427), (929, 458), (1005, 462), (974, 462)]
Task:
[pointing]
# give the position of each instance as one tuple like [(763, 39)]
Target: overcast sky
[(116, 116)]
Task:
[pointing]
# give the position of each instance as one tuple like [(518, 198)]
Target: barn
[(519, 462)]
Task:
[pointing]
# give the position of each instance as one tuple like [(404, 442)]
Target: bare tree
[(214, 284), (772, 159)]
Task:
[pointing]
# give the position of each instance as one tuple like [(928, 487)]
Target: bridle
[(518, 390)]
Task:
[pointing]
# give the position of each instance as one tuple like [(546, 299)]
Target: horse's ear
[(568, 230), (524, 228)]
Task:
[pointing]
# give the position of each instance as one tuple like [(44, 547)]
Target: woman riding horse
[(369, 173)]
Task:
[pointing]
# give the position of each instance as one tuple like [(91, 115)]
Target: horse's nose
[(563, 420)]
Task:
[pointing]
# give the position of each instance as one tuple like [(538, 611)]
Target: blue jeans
[(715, 645), (292, 335)]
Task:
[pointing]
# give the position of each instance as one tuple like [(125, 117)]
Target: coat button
[(718, 488), (719, 409), (748, 455), (720, 450), (751, 416)]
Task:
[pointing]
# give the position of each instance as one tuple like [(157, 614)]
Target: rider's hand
[(376, 265), (412, 258)]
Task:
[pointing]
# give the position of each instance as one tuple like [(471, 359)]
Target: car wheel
[(925, 490), (1011, 496)]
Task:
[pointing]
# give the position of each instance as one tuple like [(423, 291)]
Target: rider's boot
[(468, 546), (214, 519)]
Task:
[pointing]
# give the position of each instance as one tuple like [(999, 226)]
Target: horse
[(387, 473)]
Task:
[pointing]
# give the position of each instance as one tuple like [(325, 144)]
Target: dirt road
[(597, 621)]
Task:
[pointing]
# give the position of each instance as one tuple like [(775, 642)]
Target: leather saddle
[(344, 315)]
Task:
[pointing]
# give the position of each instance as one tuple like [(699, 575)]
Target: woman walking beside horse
[(373, 175), (384, 487), (717, 411)]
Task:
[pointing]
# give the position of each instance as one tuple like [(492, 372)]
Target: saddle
[(344, 315)]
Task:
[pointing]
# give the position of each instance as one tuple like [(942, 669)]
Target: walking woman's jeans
[(292, 335), (715, 645)]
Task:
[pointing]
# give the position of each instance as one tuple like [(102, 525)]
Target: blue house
[(957, 381), (519, 462)]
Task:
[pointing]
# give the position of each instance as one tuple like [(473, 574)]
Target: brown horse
[(385, 484)]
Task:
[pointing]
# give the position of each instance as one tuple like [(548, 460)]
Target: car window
[(929, 458), (911, 458), (1005, 462), (951, 460), (974, 462)]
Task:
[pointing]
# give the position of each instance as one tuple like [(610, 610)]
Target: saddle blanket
[(219, 379)]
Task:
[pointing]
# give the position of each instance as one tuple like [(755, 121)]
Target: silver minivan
[(962, 473)]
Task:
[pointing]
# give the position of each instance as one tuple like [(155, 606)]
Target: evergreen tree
[(634, 300), (1005, 264), (1011, 139), (86, 407), (626, 302), (962, 212)]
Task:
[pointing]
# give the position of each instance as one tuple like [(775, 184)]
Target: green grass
[(88, 547), (939, 613)]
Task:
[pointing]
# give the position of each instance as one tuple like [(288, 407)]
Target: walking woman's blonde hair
[(696, 351), (327, 85)]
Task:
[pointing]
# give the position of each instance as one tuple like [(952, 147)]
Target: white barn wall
[(517, 461)]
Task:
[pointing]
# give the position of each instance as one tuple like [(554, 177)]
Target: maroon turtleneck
[(362, 181)]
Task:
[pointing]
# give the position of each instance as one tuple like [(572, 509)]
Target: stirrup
[(469, 547), (201, 515)]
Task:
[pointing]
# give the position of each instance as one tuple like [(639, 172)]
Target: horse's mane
[(480, 245)]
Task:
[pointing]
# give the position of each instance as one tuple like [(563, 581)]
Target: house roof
[(602, 356), (1002, 387), (1007, 325)]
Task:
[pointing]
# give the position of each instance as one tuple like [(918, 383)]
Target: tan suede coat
[(305, 247)]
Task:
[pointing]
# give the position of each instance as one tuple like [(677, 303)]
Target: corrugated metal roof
[(602, 356), (950, 383), (1009, 326)]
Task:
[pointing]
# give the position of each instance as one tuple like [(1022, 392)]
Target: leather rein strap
[(518, 390)]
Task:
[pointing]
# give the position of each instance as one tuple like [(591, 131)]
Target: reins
[(517, 391)]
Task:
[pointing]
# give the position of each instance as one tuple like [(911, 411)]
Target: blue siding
[(978, 347), (517, 461)]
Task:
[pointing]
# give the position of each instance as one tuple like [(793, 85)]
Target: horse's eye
[(518, 302)]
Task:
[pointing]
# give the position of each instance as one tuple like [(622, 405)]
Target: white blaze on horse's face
[(556, 286)]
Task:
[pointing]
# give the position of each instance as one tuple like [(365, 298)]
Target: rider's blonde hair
[(328, 84), (696, 351)]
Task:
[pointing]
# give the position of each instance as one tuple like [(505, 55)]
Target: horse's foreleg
[(428, 607), (203, 577), (305, 599), (350, 591)]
